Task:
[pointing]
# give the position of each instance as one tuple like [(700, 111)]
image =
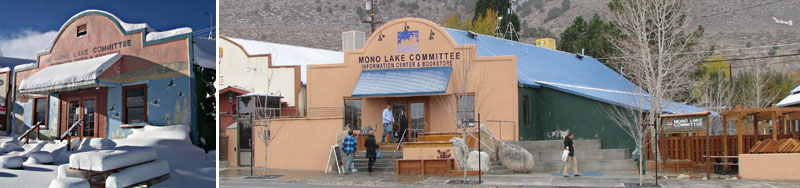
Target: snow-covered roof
[(792, 99), (127, 28), (286, 55), (259, 94), (25, 66), (74, 75), (204, 53), (586, 77)]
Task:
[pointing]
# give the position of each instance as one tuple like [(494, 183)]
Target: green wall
[(552, 111)]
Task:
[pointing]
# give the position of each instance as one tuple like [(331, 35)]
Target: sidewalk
[(234, 177)]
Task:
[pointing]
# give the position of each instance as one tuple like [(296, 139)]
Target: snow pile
[(137, 174), (69, 182), (91, 144), (39, 157), (211, 155), (151, 36), (11, 145), (64, 171), (104, 160), (11, 161), (187, 162)]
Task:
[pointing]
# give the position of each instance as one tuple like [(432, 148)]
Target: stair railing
[(69, 136), (27, 134)]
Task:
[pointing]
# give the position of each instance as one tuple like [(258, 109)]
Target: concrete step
[(365, 165), (375, 169), (398, 154), (548, 145), (585, 166), (500, 172), (584, 155)]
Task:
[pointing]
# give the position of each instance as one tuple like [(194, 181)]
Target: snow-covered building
[(6, 63), (113, 76)]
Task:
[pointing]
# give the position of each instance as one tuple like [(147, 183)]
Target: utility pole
[(370, 5), (211, 21)]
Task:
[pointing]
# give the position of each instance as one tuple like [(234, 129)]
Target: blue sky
[(28, 26)]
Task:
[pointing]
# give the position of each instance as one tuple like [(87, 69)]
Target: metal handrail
[(479, 140), (71, 128), (69, 137), (500, 125), (27, 133)]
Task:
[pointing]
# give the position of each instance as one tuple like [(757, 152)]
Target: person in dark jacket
[(372, 147), (571, 146), (402, 123)]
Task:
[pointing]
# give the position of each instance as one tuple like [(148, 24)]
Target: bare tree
[(715, 92), (632, 120), (653, 40)]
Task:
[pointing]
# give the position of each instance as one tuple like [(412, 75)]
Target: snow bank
[(11, 161), (187, 162), (173, 132), (69, 182), (137, 174), (39, 157), (91, 144), (64, 171), (104, 160), (211, 155), (11, 146)]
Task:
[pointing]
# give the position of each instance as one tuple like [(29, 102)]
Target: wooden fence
[(693, 148)]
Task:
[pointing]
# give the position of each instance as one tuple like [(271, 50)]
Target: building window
[(525, 108), (466, 109), (134, 104), (82, 30), (40, 111), (352, 113)]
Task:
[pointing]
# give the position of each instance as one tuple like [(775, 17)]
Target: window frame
[(458, 108), (46, 110), (125, 101), (78, 30)]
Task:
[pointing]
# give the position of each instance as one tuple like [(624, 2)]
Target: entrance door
[(83, 109), (414, 111), (245, 140)]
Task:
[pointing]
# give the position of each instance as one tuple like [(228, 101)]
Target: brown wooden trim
[(125, 101), (46, 112)]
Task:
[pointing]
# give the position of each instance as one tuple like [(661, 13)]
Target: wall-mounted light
[(380, 36), (405, 27), (431, 37), (230, 99)]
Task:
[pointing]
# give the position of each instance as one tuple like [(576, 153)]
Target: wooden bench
[(713, 165)]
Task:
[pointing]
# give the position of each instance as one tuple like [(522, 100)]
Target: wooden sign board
[(685, 124)]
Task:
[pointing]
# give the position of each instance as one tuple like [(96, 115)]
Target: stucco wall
[(237, 68), (773, 166), (492, 80), (298, 144)]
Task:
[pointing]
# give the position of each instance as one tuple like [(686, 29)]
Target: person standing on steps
[(388, 120), (402, 124), (371, 146), (571, 146), (349, 146)]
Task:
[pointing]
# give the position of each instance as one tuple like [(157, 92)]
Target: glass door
[(82, 110), (88, 118), (417, 114)]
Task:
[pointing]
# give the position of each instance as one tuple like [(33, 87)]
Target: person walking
[(349, 146), (388, 120), (571, 146), (371, 146)]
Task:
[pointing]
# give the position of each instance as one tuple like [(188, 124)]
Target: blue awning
[(399, 82)]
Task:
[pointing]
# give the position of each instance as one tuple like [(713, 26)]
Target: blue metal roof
[(587, 77), (398, 82), (11, 62)]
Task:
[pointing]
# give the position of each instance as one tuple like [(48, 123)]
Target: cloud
[(26, 44)]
